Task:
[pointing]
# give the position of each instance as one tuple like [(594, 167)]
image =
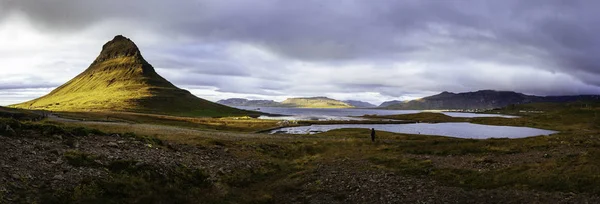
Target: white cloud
[(376, 51)]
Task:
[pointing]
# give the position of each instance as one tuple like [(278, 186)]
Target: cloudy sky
[(372, 50)]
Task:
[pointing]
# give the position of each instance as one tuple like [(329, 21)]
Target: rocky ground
[(32, 162), (493, 161), (38, 165), (351, 182)]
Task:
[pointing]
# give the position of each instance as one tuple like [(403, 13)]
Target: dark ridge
[(389, 103), (119, 46), (482, 99)]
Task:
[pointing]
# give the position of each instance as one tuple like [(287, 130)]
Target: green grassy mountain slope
[(315, 102), (389, 103), (120, 79)]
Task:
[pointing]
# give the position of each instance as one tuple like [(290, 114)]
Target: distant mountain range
[(310, 102), (484, 99), (315, 102), (246, 102)]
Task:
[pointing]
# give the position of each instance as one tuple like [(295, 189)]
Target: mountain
[(359, 104), (388, 103), (315, 102), (483, 99), (120, 79), (246, 102), (310, 102)]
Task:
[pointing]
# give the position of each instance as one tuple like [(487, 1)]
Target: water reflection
[(459, 130)]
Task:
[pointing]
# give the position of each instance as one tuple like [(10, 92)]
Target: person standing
[(372, 134)]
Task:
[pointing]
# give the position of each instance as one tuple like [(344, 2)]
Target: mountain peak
[(121, 80), (119, 46), (120, 37)]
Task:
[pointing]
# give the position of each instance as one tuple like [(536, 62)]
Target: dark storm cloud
[(209, 67), (305, 29), (557, 36)]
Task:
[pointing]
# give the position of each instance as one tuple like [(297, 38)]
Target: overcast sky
[(374, 50)]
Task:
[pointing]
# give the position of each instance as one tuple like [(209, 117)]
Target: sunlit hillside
[(315, 102), (121, 79)]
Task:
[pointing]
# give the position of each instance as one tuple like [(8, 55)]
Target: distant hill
[(315, 102), (359, 104), (120, 79), (484, 99), (309, 102), (388, 103), (246, 102)]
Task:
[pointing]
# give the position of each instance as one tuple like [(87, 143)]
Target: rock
[(58, 161), (16, 176), (112, 144), (72, 143), (55, 152), (121, 142), (98, 162), (58, 177), (115, 135), (9, 131), (58, 137)]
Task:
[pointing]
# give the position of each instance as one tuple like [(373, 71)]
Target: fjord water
[(345, 113), (459, 130)]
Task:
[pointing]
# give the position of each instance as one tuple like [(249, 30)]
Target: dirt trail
[(53, 117)]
